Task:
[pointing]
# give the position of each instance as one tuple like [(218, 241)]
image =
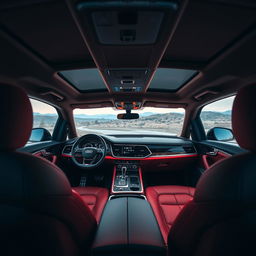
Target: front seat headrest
[(16, 117), (244, 117)]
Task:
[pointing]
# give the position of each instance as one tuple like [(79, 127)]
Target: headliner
[(217, 38)]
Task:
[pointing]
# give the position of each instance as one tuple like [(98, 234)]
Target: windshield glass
[(162, 121)]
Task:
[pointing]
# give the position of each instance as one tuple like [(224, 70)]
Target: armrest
[(128, 225)]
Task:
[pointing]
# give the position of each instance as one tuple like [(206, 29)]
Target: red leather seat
[(167, 202), (95, 198)]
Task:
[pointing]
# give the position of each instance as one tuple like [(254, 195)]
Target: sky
[(220, 105), (113, 111), (43, 108)]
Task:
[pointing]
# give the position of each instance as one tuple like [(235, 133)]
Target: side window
[(217, 115), (44, 115)]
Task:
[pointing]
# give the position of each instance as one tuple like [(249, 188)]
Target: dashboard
[(138, 146)]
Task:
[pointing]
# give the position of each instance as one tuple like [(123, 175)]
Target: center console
[(127, 177), (128, 227)]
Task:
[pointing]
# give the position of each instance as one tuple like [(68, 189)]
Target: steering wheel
[(88, 157)]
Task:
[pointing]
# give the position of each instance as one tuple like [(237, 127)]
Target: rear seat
[(167, 202)]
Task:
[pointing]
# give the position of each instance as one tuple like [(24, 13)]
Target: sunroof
[(170, 79), (84, 79)]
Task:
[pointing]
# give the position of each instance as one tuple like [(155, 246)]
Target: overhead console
[(121, 33), (127, 80), (127, 27)]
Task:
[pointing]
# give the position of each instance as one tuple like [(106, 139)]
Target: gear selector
[(124, 169), (127, 178)]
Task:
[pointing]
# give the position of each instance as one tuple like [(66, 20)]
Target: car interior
[(128, 127)]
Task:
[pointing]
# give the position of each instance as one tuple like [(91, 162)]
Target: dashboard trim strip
[(148, 158), (153, 157), (66, 155)]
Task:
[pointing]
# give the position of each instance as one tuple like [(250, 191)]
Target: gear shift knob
[(124, 169)]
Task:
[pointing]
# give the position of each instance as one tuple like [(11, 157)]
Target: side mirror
[(39, 134), (220, 134), (128, 116)]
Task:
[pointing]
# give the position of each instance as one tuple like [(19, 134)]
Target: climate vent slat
[(67, 150)]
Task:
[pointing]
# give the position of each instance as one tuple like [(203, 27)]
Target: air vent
[(189, 149), (67, 150), (128, 105)]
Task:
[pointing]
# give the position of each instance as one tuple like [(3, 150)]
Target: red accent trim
[(113, 180), (205, 162), (54, 159), (144, 159), (64, 155), (141, 181), (151, 158)]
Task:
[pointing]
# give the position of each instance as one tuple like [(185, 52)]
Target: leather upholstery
[(167, 202), (230, 180), (16, 121), (95, 198), (221, 219), (39, 189), (39, 213), (244, 117)]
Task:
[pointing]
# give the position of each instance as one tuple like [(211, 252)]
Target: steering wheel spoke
[(94, 159), (100, 151), (78, 150)]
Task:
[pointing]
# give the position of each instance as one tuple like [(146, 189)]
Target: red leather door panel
[(213, 157)]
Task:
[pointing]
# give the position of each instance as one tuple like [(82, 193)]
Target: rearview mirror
[(39, 134), (220, 134), (128, 116)]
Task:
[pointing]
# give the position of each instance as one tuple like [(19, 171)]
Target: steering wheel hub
[(89, 153)]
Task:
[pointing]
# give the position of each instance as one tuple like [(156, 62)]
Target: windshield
[(162, 121)]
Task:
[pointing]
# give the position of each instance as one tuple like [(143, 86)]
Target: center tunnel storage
[(128, 227)]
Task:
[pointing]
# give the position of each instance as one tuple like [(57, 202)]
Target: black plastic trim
[(31, 148), (228, 147)]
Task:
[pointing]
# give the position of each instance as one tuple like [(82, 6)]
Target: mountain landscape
[(167, 122)]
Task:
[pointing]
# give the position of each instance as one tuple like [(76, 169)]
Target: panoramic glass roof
[(84, 79), (167, 79), (170, 79)]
